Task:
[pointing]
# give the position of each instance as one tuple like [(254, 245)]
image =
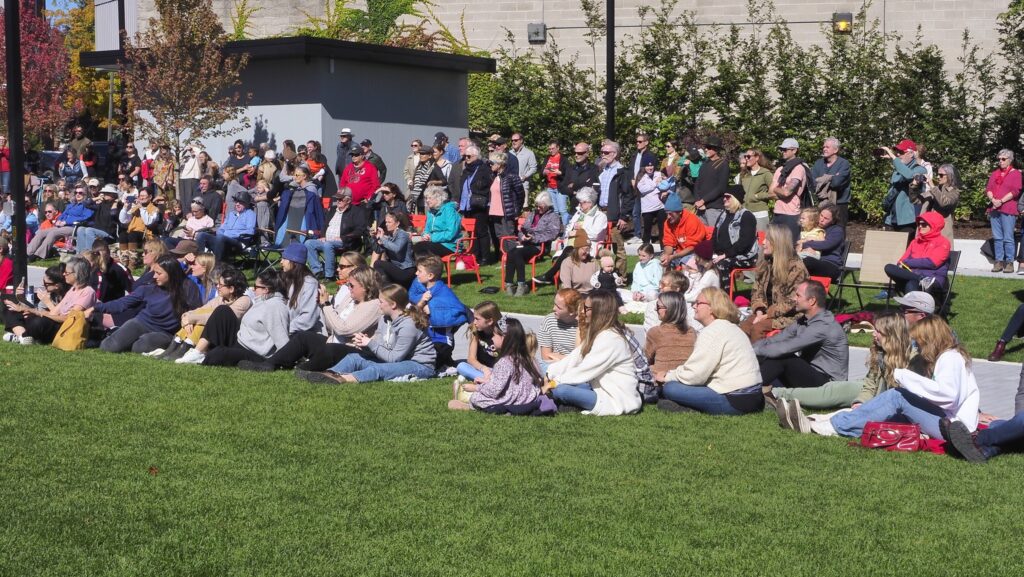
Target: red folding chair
[(464, 246)]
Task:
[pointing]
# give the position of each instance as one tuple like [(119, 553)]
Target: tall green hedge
[(754, 87)]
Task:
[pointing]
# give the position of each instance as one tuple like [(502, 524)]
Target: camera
[(879, 152), (920, 179)]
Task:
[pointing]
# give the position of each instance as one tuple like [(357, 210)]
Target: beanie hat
[(295, 252), (673, 204), (736, 191), (704, 250), (581, 239)]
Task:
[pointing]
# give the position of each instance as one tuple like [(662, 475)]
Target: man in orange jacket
[(682, 231)]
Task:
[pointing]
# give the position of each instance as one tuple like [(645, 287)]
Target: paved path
[(997, 381)]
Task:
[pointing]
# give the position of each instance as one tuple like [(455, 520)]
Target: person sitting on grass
[(482, 351), (231, 292), (599, 376), (890, 349), (301, 289), (160, 306), (28, 325), (669, 344), (560, 329), (721, 376), (646, 276), (262, 330), (701, 273), (55, 286), (446, 312), (111, 280), (671, 281), (810, 352), (204, 275), (951, 392), (1001, 436), (513, 386), (605, 278), (360, 314), (400, 347)]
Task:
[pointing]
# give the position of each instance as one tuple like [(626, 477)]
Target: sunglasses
[(942, 175), (579, 152), (1004, 160), (261, 287), (50, 211), (607, 152)]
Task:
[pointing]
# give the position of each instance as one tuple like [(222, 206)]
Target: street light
[(842, 22)]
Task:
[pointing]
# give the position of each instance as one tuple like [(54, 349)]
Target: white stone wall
[(942, 21)]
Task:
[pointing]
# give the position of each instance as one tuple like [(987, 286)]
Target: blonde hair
[(721, 307), (934, 337), (895, 349), (815, 215), (208, 262), (783, 252)]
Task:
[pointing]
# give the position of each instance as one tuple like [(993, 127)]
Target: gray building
[(309, 89)]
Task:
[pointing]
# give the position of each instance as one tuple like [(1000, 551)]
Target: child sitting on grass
[(483, 350), (513, 386), (810, 230), (646, 276), (606, 278), (446, 312)]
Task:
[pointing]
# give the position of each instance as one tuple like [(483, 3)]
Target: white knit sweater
[(608, 368), (722, 359)]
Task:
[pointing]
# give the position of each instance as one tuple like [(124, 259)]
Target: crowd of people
[(394, 317)]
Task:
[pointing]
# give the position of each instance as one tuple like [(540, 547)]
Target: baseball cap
[(789, 143), (93, 182), (906, 144), (918, 300), (440, 136), (366, 142)]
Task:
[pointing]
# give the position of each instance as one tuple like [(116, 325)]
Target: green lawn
[(121, 465)]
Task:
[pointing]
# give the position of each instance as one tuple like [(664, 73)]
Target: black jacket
[(104, 217), (712, 180), (353, 225), (479, 187), (621, 197), (578, 175)]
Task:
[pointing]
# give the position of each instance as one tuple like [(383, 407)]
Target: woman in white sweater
[(951, 393), (722, 376), (598, 376)]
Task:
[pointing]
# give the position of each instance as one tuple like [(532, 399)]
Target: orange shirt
[(685, 235)]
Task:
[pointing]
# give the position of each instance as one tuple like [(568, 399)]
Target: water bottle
[(30, 295)]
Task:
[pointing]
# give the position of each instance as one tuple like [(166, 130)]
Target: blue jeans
[(638, 228), (469, 371), (86, 236), (891, 405), (315, 245), (217, 243), (1002, 435), (1002, 235), (582, 396), (365, 370), (700, 398), (560, 203), (5, 181)]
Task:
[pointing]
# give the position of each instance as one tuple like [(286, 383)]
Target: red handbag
[(892, 436)]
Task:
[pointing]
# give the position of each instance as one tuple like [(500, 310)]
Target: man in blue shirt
[(837, 170), (74, 214), (241, 221)]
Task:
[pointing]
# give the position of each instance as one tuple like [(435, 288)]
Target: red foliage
[(45, 76)]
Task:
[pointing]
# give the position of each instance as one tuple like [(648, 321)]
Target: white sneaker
[(797, 419), (154, 353), (27, 340), (11, 338), (823, 428), (192, 357)]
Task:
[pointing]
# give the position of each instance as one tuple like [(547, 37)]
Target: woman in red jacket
[(926, 261)]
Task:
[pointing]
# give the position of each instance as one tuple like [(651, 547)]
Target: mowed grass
[(121, 465)]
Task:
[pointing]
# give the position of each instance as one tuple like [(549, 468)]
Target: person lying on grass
[(600, 375), (950, 393), (28, 325), (482, 352), (399, 348), (320, 352), (162, 304), (262, 330), (231, 288), (513, 386)]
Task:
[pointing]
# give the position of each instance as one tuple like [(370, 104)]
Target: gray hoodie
[(264, 327), (401, 340)]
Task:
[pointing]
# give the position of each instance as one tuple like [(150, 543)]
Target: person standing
[(789, 183), (712, 180), (342, 150), (374, 159), (616, 198), (900, 214), (554, 171), (756, 178), (1003, 190), (580, 173), (832, 172), (527, 160), (641, 158)]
